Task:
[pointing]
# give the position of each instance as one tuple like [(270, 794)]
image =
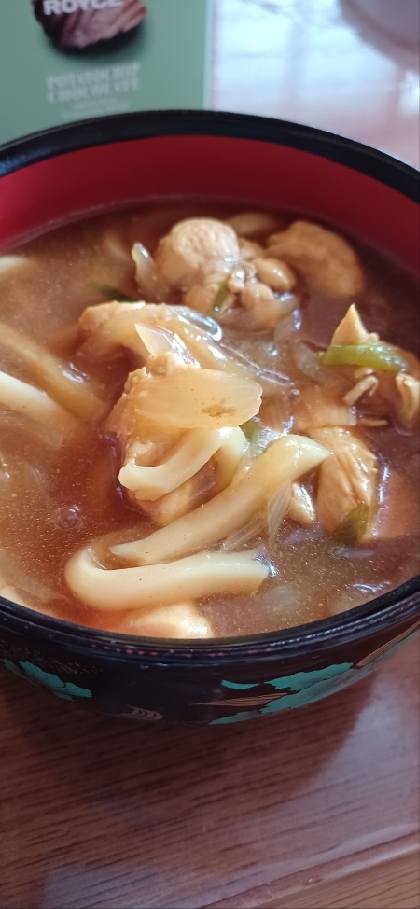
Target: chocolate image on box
[(82, 23)]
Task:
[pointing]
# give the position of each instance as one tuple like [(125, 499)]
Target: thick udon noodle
[(210, 422)]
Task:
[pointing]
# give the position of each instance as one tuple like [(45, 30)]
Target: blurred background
[(349, 66)]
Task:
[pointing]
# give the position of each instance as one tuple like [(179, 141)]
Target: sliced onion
[(146, 273), (159, 340), (249, 531), (115, 247), (30, 402), (238, 319), (276, 510), (269, 379), (69, 387), (198, 398), (285, 327), (307, 361), (261, 439), (209, 325)]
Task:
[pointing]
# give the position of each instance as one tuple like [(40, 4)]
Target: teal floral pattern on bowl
[(301, 688), (290, 691), (136, 694), (67, 691)]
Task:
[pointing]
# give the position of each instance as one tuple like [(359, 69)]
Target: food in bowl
[(210, 422)]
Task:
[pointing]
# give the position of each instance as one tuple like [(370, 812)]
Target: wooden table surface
[(314, 808)]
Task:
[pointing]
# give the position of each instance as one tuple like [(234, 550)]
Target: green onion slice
[(354, 526), (221, 296), (111, 293), (370, 355)]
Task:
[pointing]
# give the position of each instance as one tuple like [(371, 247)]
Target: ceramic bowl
[(68, 172)]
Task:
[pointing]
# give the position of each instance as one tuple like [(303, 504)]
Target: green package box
[(161, 63)]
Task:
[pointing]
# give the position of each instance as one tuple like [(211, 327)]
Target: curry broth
[(56, 499)]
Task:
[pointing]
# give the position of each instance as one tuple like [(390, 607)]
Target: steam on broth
[(209, 422)]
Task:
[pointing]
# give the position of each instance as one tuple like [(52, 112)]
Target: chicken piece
[(351, 329), (266, 309), (403, 393), (409, 399), (182, 620), (400, 389), (106, 328), (366, 386), (94, 318), (301, 507), (204, 297), (398, 515), (165, 364), (201, 298), (319, 406), (125, 421), (236, 280), (348, 478), (275, 273), (321, 255), (243, 274), (142, 328), (253, 222), (250, 250), (195, 247)]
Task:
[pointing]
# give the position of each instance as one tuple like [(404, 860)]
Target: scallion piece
[(111, 293), (370, 355), (354, 526), (251, 431), (221, 296)]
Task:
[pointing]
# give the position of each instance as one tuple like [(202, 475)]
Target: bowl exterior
[(138, 680), (65, 173)]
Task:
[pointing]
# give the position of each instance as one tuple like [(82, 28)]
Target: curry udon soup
[(209, 422)]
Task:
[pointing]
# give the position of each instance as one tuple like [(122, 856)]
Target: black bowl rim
[(378, 614)]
